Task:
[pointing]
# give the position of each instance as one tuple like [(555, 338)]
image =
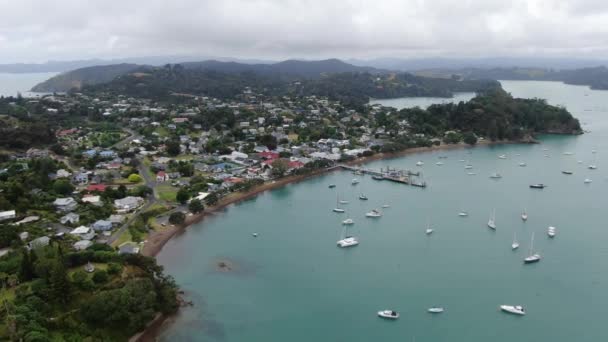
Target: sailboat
[(592, 166), (524, 215), (515, 244), (337, 209), (428, 230), (532, 257), (347, 241), (492, 220)]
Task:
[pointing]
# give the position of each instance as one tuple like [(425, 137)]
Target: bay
[(422, 102), (12, 84), (293, 284)]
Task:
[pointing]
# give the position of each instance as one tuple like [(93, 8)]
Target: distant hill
[(288, 69), (85, 76)]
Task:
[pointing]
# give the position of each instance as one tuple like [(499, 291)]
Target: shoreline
[(158, 239)]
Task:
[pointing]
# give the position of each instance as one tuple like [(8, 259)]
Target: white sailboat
[(492, 220), (429, 229), (463, 214), (532, 257), (495, 175), (515, 244), (524, 215), (337, 209), (348, 221), (347, 241)]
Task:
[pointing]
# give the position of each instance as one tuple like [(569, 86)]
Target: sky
[(41, 30)]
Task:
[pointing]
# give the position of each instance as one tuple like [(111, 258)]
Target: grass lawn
[(166, 192), (184, 157), (124, 237)]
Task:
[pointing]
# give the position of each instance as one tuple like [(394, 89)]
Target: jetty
[(407, 177)]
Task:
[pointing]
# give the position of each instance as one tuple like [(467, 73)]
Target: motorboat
[(461, 160), (568, 153), (419, 163), (389, 314), (348, 221), (502, 156), (463, 214), (471, 173), (439, 163), (551, 232), (355, 181), (331, 186), (567, 172), (495, 175), (349, 241), (363, 197), (374, 213), (513, 309), (538, 186), (435, 309)]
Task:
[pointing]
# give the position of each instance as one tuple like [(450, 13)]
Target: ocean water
[(422, 102), (12, 84), (293, 284)]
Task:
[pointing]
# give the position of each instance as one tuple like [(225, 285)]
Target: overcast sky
[(39, 30)]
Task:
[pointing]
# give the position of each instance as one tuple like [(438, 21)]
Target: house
[(162, 176), (83, 233), (96, 187), (128, 203), (82, 245), (94, 200), (65, 204), (71, 218), (33, 153), (80, 178), (116, 219), (7, 215), (107, 154), (39, 242), (102, 225), (61, 173), (128, 248)]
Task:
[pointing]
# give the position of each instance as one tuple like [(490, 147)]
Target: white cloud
[(37, 30)]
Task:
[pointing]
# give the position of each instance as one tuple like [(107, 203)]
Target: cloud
[(38, 30)]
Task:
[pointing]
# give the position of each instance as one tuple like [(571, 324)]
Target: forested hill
[(352, 88), (596, 77), (78, 78)]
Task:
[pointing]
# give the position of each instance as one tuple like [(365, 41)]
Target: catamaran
[(532, 257), (515, 244), (492, 220), (347, 241)]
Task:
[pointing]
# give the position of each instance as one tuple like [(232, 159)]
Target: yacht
[(348, 221), (419, 163), (355, 181), (363, 197), (374, 213), (463, 214), (377, 177), (435, 309), (513, 309), (532, 257), (390, 314), (515, 244), (492, 220), (495, 175), (587, 180), (348, 241), (551, 232)]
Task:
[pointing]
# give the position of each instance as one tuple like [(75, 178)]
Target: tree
[(62, 187), (173, 148), (196, 206), (470, 138), (60, 285), (134, 178), (100, 277), (177, 217), (279, 167), (182, 196), (212, 199), (26, 271)]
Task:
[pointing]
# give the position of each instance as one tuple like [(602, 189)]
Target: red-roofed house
[(269, 155), (162, 176), (295, 164), (96, 187)]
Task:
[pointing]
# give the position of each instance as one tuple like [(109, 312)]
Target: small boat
[(492, 220), (532, 257), (435, 309), (502, 156), (377, 177), (524, 215), (522, 164), (551, 232), (567, 172), (463, 214), (255, 234), (355, 181), (386, 206), (538, 186), (374, 213), (429, 229), (513, 309), (592, 167), (331, 186), (419, 163), (515, 244), (468, 166), (363, 197), (348, 221), (439, 163), (587, 180), (390, 314), (348, 241), (495, 175)]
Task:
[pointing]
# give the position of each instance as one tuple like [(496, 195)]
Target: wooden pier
[(394, 175)]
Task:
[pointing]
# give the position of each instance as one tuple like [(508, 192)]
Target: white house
[(65, 204), (7, 215), (128, 203), (94, 200), (82, 245)]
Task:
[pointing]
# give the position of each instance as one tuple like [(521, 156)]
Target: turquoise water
[(293, 284), (11, 84)]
